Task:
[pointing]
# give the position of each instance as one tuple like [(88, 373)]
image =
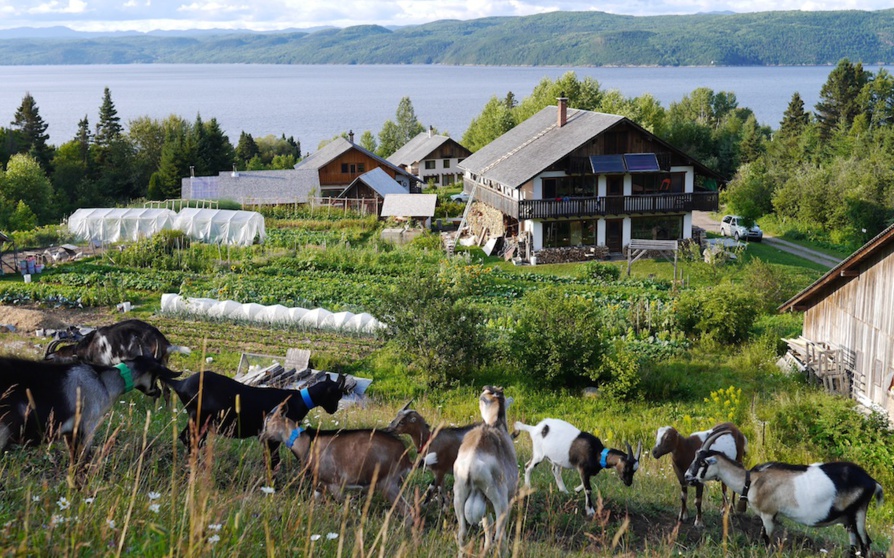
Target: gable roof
[(419, 148), (379, 181), (409, 205), (269, 186), (841, 274), (338, 147), (533, 145)]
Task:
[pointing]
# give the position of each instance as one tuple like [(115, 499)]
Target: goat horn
[(639, 450), (629, 449), (713, 438), (405, 407)]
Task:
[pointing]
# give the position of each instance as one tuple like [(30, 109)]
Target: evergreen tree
[(218, 149), (177, 156), (201, 147), (108, 129), (839, 104), (795, 117), (32, 131), (877, 100), (246, 149), (83, 138)]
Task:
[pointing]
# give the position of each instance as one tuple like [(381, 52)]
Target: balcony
[(616, 205)]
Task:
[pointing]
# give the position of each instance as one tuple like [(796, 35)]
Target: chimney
[(563, 109), (431, 131), (351, 136)]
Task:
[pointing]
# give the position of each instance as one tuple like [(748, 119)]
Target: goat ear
[(509, 402), (341, 380), (711, 460), (629, 450)]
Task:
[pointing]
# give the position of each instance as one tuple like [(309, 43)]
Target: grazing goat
[(238, 410), (42, 399), (438, 451), (485, 470), (566, 446), (109, 345), (340, 459), (816, 495), (733, 444)]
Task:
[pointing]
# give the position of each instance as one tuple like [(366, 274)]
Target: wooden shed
[(849, 316)]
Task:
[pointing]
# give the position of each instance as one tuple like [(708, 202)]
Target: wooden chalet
[(371, 188), (432, 158), (567, 177), (341, 161), (849, 325)]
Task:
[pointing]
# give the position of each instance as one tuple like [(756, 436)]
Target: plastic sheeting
[(119, 224), (317, 318), (221, 226)]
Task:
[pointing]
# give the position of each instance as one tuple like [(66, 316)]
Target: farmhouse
[(432, 158), (848, 323), (568, 177), (370, 189), (341, 161)]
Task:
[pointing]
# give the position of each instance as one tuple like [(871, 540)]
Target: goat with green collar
[(567, 447), (42, 398)]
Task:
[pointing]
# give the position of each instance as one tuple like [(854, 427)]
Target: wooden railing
[(610, 205)]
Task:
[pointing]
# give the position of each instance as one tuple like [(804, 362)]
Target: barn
[(849, 323)]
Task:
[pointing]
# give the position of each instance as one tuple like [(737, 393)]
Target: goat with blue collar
[(40, 399), (238, 410), (567, 447)]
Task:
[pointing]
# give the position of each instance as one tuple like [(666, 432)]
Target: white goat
[(566, 446), (816, 495), (485, 470)]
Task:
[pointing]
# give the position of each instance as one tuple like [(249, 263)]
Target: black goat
[(114, 343), (238, 410), (43, 399)]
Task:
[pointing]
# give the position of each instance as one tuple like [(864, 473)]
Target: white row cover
[(204, 225), (221, 226), (318, 318), (119, 224)]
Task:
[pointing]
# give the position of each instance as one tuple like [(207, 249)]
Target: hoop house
[(117, 224), (221, 226)]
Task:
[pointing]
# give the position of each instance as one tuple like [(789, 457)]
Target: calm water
[(313, 103)]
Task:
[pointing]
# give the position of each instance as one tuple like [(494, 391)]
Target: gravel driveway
[(703, 219)]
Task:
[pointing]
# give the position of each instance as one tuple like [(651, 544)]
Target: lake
[(313, 103)]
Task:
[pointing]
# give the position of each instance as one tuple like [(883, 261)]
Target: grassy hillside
[(142, 494), (557, 38)]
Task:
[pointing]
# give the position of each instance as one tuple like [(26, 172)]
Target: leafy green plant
[(601, 271), (723, 314)]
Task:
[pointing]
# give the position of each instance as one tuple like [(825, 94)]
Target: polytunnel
[(119, 224)]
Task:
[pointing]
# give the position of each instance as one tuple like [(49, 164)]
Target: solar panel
[(608, 164), (641, 162)]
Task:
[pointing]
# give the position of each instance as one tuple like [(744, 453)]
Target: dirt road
[(703, 219)]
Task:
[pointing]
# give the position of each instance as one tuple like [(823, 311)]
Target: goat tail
[(879, 494), (522, 426), (475, 507), (179, 349)]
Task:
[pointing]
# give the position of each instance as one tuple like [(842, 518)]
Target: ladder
[(462, 222)]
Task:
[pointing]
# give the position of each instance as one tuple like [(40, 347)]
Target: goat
[(815, 495), (566, 446), (238, 410), (42, 399), (485, 470), (733, 444), (439, 451), (340, 459), (109, 345)]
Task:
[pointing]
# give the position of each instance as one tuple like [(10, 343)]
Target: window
[(361, 167), (344, 168), (429, 165), (446, 163), (569, 187), (657, 228), (559, 234)]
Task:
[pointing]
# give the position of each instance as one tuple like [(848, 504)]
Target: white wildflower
[(153, 495), (209, 359), (215, 526), (268, 489), (35, 498), (63, 503), (213, 539), (154, 508), (56, 519), (110, 523), (315, 537), (331, 536), (89, 500)]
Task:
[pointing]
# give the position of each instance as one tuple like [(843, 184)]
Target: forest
[(556, 38)]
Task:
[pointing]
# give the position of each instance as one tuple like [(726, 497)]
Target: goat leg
[(684, 496), (699, 492)]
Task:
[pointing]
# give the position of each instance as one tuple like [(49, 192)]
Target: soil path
[(703, 219)]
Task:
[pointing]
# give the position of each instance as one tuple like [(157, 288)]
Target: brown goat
[(683, 451), (340, 459), (438, 451)]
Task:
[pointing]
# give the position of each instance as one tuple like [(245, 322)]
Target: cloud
[(55, 7), (212, 8)]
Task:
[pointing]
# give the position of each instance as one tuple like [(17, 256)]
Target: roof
[(338, 147), (270, 186), (841, 274), (379, 180), (409, 205), (533, 145), (419, 148)]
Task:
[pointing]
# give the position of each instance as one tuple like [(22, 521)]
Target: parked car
[(461, 197), (731, 226)]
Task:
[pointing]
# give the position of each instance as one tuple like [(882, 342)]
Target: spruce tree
[(33, 131), (108, 129), (838, 104), (795, 117), (246, 149), (83, 138)]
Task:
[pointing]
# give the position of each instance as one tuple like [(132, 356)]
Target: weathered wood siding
[(859, 318)]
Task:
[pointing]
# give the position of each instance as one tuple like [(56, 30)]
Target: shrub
[(557, 338), (624, 370), (601, 271), (723, 314)]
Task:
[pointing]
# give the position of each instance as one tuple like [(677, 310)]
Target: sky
[(269, 15)]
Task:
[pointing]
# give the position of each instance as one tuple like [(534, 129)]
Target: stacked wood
[(572, 254)]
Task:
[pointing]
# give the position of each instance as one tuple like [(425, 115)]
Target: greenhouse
[(221, 226), (119, 224)]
